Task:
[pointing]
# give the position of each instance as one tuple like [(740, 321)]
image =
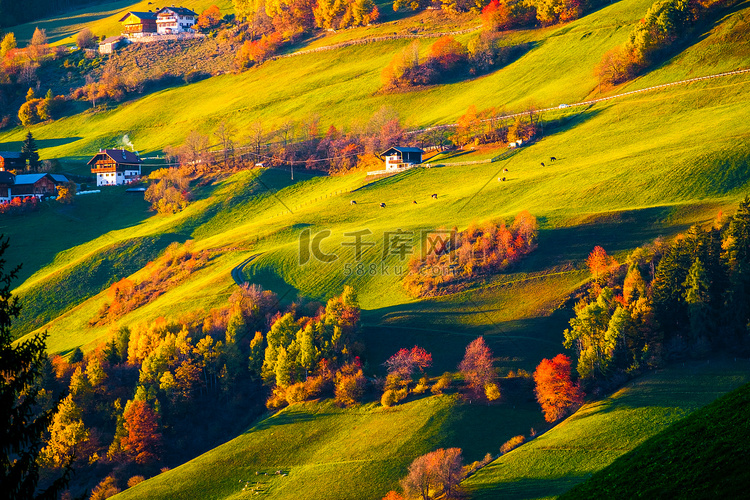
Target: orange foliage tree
[(143, 439), (555, 391), (599, 262), (209, 18)]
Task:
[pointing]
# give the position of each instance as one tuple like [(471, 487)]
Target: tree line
[(666, 24), (670, 300)]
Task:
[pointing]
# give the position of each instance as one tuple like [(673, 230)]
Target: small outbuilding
[(109, 45), (398, 158), (115, 167), (11, 160), (39, 185)]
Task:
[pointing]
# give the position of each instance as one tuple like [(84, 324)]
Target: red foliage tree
[(555, 391), (477, 367), (143, 439), (406, 361)]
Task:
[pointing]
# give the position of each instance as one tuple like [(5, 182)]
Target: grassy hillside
[(698, 457), (102, 19), (341, 86), (599, 432), (315, 445)]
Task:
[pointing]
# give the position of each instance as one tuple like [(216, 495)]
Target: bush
[(512, 443), (105, 489), (442, 384), (350, 388), (389, 398), (135, 480)]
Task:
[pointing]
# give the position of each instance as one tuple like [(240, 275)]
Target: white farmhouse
[(174, 20), (115, 167), (399, 158)]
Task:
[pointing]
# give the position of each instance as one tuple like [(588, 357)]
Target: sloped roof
[(10, 154), (28, 178), (112, 39), (402, 150), (140, 15), (6, 178), (180, 11), (59, 178), (119, 156)]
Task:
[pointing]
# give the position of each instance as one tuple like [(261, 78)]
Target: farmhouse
[(138, 24), (397, 158), (10, 160), (21, 186), (173, 20), (115, 167)]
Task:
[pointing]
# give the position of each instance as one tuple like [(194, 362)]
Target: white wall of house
[(169, 23), (116, 178)]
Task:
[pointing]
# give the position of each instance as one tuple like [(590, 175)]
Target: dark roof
[(139, 15), (59, 178), (402, 150), (10, 154), (180, 11), (119, 156), (7, 178)]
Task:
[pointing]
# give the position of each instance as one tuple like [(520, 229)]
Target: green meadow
[(628, 170)]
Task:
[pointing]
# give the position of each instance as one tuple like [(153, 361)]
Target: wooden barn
[(10, 160), (39, 185), (115, 167), (136, 24), (398, 157)]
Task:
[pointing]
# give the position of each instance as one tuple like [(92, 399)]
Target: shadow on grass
[(288, 416), (523, 488)]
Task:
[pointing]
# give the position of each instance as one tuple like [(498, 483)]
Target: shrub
[(296, 393), (512, 443), (350, 387), (105, 489), (442, 384), (389, 398), (135, 480)]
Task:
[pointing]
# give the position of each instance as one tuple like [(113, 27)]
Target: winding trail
[(237, 271)]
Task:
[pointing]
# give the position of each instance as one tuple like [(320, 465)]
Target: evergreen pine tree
[(30, 153), (21, 424)]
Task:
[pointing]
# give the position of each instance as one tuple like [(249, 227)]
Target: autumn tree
[(22, 422), (448, 54), (67, 434), (599, 262), (477, 367), (406, 361), (85, 39), (555, 391), (209, 18), (66, 193), (8, 44), (436, 473), (142, 440)]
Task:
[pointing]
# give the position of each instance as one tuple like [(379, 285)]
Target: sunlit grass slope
[(341, 86), (702, 455), (333, 453), (600, 432)]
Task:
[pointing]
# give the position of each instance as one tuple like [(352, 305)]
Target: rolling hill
[(628, 170)]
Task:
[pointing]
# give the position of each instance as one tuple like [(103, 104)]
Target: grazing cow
[(382, 205), (353, 202), (415, 202), (434, 196), (503, 179), (506, 170), (542, 163), (552, 158)]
